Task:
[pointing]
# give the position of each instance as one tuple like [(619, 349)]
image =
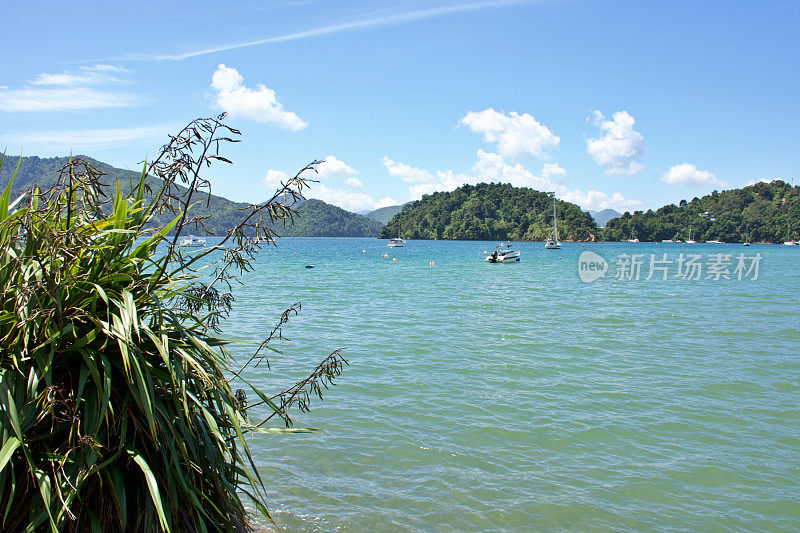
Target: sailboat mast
[(555, 220)]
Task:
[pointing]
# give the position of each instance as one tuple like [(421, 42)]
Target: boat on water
[(192, 242), (667, 240), (553, 242), (789, 241), (396, 243), (746, 236), (503, 254), (690, 240), (715, 241), (633, 238)]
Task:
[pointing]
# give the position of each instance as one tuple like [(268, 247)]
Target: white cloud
[(274, 178), (67, 91), (597, 200), (406, 172), (93, 75), (492, 167), (553, 170), (515, 135), (688, 174), (259, 104), (329, 171), (385, 20), (355, 201), (60, 141), (620, 148), (332, 168), (66, 99)]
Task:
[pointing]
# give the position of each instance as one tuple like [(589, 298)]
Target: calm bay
[(508, 397)]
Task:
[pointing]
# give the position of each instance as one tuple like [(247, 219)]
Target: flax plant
[(118, 408)]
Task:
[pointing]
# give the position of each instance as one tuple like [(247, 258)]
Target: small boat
[(789, 241), (192, 242), (715, 241), (747, 236), (667, 240), (396, 243), (689, 240), (503, 254), (552, 242), (633, 239)]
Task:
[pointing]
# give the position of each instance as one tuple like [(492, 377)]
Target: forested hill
[(384, 214), (319, 219), (316, 218), (765, 208), (490, 211)]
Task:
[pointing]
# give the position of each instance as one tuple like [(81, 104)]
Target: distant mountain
[(384, 214), (602, 217), (490, 211), (315, 218), (319, 219), (764, 212)]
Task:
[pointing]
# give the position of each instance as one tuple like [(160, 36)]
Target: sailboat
[(747, 236), (552, 243), (633, 239), (689, 240), (789, 241)]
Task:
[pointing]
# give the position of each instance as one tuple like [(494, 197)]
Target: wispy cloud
[(64, 140), (397, 18), (79, 98), (68, 91), (86, 75)]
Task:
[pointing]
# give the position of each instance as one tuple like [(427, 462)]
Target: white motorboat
[(667, 240), (192, 242), (552, 242), (396, 243), (503, 254)]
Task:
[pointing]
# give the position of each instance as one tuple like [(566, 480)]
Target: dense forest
[(315, 218), (490, 211), (767, 209)]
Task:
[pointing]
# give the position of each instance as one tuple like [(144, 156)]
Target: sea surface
[(516, 397)]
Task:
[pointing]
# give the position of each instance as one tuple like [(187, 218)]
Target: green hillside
[(316, 218), (319, 219), (765, 208), (490, 211), (384, 214)]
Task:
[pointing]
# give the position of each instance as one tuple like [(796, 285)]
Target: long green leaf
[(152, 485)]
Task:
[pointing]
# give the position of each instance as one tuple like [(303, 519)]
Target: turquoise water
[(515, 397)]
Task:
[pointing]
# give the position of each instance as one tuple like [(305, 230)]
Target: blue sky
[(621, 104)]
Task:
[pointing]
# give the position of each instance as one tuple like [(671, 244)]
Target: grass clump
[(117, 403)]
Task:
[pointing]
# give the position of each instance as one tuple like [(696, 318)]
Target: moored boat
[(553, 242), (192, 242), (503, 254)]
